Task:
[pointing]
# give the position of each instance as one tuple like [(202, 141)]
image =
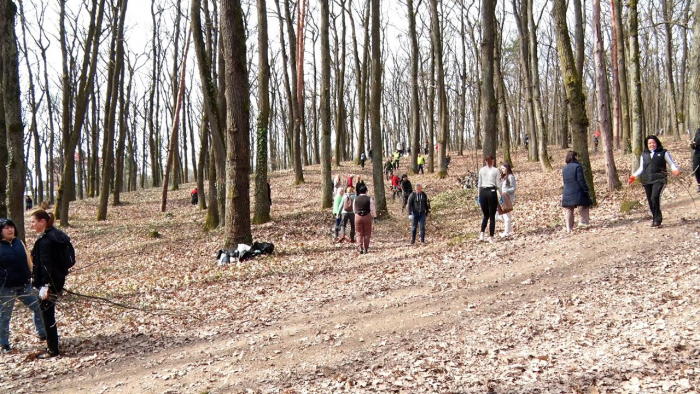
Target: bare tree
[(262, 198), (489, 109), (694, 77), (326, 182), (603, 98), (238, 124), (443, 120), (374, 113), (414, 126), (671, 86), (637, 104)]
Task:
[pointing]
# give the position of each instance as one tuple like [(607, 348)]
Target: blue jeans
[(8, 295), (418, 219)]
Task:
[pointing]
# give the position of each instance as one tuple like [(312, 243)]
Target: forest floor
[(609, 309)]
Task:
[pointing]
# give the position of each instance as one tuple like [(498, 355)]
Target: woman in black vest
[(653, 174), (365, 211), (695, 144)]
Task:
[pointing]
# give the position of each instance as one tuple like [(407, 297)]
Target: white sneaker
[(504, 235), (481, 237), (492, 240)]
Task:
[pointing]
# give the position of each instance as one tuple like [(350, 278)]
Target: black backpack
[(66, 253)]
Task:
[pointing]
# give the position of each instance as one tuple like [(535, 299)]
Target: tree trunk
[(574, 92), (542, 135), (622, 74), (114, 75), (502, 104), (172, 150), (414, 126), (326, 181), (13, 115), (201, 165), (489, 105), (603, 99), (671, 86), (3, 139), (443, 121), (238, 125), (262, 198), (694, 74), (375, 121), (85, 86), (123, 131), (637, 104)]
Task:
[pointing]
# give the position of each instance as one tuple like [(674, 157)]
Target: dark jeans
[(654, 199), (349, 217), (489, 206), (48, 312), (420, 168), (414, 226)]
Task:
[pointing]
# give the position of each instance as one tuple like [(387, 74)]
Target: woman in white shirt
[(653, 174), (489, 183)]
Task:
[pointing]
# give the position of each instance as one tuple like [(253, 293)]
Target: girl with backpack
[(15, 283), (365, 210), (507, 188), (348, 215), (49, 273)]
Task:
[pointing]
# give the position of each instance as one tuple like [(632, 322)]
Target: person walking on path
[(49, 273), (15, 283), (365, 211), (653, 174), (395, 187), (406, 190), (488, 184), (421, 163), (576, 193), (695, 145), (418, 210), (508, 187), (388, 169), (347, 214), (337, 208), (363, 158)]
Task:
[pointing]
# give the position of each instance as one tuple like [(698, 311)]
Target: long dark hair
[(655, 138), (489, 160), (40, 214)]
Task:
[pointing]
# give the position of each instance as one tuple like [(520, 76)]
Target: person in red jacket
[(194, 196), (395, 186)]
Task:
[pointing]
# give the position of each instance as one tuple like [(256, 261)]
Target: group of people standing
[(35, 278), (492, 184)]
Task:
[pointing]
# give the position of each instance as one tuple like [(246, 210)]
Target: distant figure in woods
[(406, 190), (421, 163), (488, 184), (695, 145), (418, 210), (28, 202), (360, 182), (347, 214), (576, 193), (363, 158), (596, 140), (397, 159), (526, 141), (15, 283), (49, 274), (337, 207), (395, 187), (508, 187), (194, 196), (269, 192), (653, 174), (365, 211), (388, 168)]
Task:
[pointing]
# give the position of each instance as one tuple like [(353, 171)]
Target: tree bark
[(443, 120), (489, 105), (262, 198), (542, 135), (326, 181), (414, 126), (574, 92), (637, 104), (694, 74), (13, 115), (375, 121), (622, 74), (671, 86), (603, 99), (238, 125)]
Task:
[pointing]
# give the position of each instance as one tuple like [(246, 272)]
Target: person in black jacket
[(49, 274), (653, 174), (418, 209), (575, 192), (15, 283), (695, 145), (406, 190)]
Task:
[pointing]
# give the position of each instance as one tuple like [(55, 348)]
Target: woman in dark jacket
[(49, 273), (695, 144), (575, 192), (15, 283)]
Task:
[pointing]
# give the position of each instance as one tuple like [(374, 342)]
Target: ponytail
[(40, 214)]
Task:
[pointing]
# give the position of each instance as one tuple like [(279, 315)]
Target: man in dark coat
[(576, 193), (418, 209)]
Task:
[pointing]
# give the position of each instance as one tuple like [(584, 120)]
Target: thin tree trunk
[(542, 135), (443, 121), (671, 86), (262, 198), (694, 75), (637, 104), (489, 106), (3, 139), (414, 126), (574, 92), (326, 181), (603, 99), (376, 99)]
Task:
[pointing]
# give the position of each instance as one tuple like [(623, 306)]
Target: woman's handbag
[(505, 204)]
